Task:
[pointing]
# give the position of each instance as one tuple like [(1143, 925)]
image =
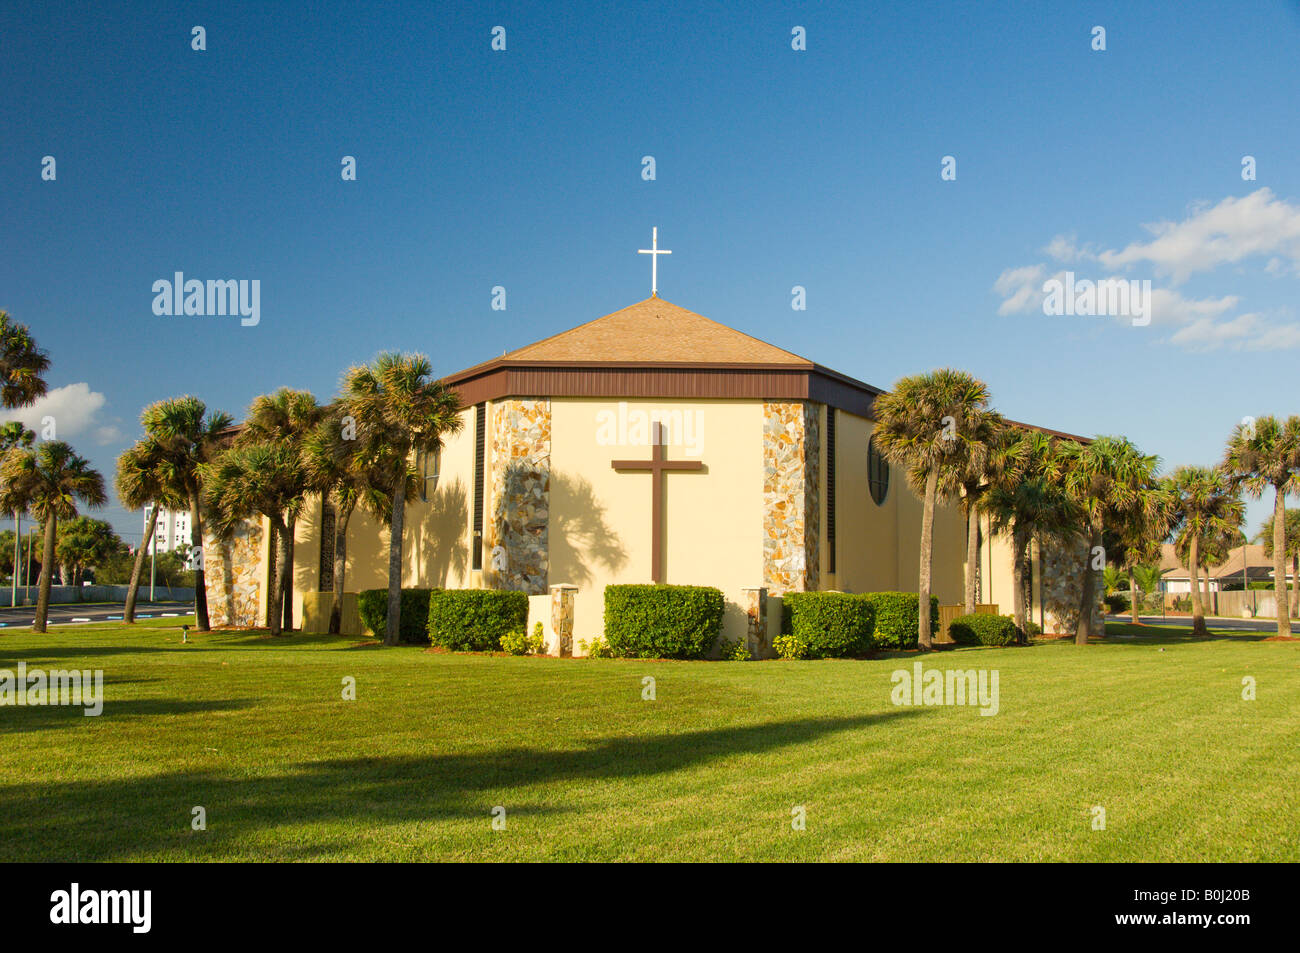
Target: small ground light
[(185, 633)]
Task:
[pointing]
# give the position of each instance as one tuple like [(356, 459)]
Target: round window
[(877, 472)]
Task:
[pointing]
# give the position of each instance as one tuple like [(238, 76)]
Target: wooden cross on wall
[(658, 465)]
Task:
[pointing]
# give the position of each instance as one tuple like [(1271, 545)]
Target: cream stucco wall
[(878, 546), (600, 530), (436, 535), (599, 519)]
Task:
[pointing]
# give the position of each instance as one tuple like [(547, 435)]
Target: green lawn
[(1153, 728)]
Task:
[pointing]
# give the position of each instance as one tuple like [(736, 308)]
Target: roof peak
[(654, 331)]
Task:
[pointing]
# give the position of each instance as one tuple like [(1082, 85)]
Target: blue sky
[(775, 168)]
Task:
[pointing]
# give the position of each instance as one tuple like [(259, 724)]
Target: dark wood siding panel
[(480, 446), (835, 393), (744, 383), (478, 389), (830, 488), (655, 382)]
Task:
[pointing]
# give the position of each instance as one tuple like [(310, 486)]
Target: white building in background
[(172, 530)]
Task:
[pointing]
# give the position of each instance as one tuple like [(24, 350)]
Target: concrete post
[(756, 621), (562, 597)]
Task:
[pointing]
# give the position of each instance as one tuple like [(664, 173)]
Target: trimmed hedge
[(474, 620), (831, 624), (983, 628), (898, 621), (372, 604), (646, 621)]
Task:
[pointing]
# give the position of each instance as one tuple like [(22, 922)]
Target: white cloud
[(1021, 287), (77, 411), (1258, 227), (1067, 249), (1232, 231), (1169, 307)]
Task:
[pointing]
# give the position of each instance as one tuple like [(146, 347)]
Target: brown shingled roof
[(654, 330)]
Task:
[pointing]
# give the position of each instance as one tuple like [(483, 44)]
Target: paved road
[(1236, 625), (23, 616)]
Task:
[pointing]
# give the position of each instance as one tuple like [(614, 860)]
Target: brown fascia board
[(784, 380), (822, 384), (1050, 432)]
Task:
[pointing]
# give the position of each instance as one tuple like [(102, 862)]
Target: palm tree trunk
[(1295, 583), (1088, 598), (277, 585), (1018, 572), (394, 618), (927, 551), (1279, 564), (340, 566), (1133, 596), (291, 529), (47, 573), (18, 554), (972, 555), (133, 590), (273, 549), (1198, 608), (200, 580)]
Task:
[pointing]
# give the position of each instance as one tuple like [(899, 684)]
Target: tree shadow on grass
[(16, 719), (109, 819), (1174, 635)]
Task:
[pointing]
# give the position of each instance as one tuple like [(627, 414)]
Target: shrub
[(516, 643), (789, 647), (983, 629), (596, 648), (647, 621), (1033, 629), (736, 651), (474, 620), (372, 604), (898, 621), (1116, 603), (831, 624)]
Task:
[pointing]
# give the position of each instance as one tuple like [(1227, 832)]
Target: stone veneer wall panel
[(1062, 581), (519, 496), (233, 570), (791, 495)]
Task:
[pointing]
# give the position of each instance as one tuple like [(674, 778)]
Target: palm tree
[(399, 410), (257, 479), (22, 365), (189, 437), (142, 481), (14, 435), (287, 417), (340, 471), (1207, 512), (1142, 560), (22, 382), (1026, 499), (931, 423), (52, 477), (86, 543), (1113, 484), (1148, 573), (1265, 536), (1263, 453), (973, 480), (1142, 534)]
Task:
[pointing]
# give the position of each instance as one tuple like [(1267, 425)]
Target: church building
[(649, 445)]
